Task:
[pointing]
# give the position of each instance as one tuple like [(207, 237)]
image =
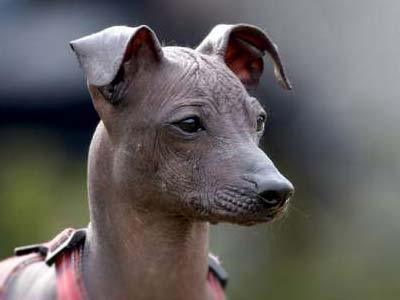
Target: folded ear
[(103, 54), (242, 47)]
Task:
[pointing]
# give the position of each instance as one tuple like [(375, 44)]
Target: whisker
[(299, 211)]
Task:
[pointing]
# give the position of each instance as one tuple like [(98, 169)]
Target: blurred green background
[(336, 136)]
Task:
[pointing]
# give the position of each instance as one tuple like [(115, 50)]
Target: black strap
[(219, 272), (49, 254), (77, 237), (37, 248)]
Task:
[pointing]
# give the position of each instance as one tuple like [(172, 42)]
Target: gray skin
[(154, 188)]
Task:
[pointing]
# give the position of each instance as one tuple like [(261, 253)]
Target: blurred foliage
[(42, 190)]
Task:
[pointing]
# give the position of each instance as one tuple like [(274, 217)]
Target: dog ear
[(242, 47), (103, 55)]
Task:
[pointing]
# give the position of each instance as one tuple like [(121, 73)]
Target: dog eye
[(190, 125), (260, 123)]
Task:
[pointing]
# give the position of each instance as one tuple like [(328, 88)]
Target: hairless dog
[(177, 148)]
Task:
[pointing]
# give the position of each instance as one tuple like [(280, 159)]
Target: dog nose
[(276, 193)]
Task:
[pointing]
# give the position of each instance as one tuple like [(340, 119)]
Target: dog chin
[(243, 220), (244, 217)]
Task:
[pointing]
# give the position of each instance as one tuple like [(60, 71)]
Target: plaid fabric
[(217, 289), (70, 285), (68, 270), (11, 267)]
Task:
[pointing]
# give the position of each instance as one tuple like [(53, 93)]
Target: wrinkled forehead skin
[(188, 78), (205, 75)]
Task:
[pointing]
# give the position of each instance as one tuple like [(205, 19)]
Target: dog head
[(182, 129)]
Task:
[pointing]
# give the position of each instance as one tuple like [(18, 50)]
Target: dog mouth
[(245, 207)]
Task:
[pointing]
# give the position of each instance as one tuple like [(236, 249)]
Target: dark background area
[(336, 136)]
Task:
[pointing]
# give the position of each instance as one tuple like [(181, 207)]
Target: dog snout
[(272, 188), (275, 191)]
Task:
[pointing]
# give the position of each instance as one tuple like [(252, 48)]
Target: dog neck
[(131, 254)]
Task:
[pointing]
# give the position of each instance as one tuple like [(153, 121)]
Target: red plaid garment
[(69, 281), (68, 271)]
